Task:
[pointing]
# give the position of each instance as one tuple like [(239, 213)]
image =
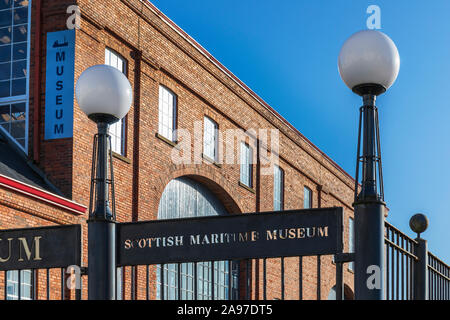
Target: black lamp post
[(104, 94), (368, 64)]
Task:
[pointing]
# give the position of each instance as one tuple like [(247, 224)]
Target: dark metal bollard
[(421, 270), (419, 223)]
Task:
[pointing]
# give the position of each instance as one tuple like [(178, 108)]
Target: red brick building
[(177, 85)]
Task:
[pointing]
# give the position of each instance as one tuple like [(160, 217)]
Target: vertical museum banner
[(59, 85)]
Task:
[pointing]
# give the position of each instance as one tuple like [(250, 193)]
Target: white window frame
[(119, 283), (25, 97), (117, 130), (307, 204), (351, 240), (246, 155), (210, 138), (278, 188), (12, 280), (167, 113)]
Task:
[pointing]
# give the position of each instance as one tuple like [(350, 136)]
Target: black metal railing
[(35, 284), (410, 277), (243, 280), (438, 278), (400, 261)]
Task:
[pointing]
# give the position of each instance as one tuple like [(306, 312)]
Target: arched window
[(186, 198)]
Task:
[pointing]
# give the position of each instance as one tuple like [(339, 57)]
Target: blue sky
[(286, 51)]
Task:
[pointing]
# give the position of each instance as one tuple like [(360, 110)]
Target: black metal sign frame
[(256, 235), (40, 248)]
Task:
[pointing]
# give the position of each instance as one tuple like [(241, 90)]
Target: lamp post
[(369, 64), (104, 94)]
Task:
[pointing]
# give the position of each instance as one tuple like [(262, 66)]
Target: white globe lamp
[(104, 94), (369, 62)]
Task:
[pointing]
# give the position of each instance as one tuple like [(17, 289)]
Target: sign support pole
[(101, 224), (369, 209)]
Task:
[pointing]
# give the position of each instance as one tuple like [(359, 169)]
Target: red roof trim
[(40, 194)]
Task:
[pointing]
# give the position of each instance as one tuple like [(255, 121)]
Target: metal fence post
[(419, 223), (421, 270)]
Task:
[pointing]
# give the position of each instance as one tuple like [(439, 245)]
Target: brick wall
[(157, 53), (19, 210)]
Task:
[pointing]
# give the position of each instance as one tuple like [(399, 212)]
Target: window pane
[(351, 240), (26, 276), (18, 129), (4, 113), (21, 3), (119, 283), (4, 88), (6, 126), (249, 166), (246, 156), (21, 142), (12, 278), (5, 53), (5, 18), (21, 15), (18, 111), (107, 57), (167, 111), (210, 138), (5, 71), (20, 51), (5, 35), (19, 69), (20, 33), (242, 162), (18, 87), (115, 131), (278, 188), (307, 198), (113, 62), (25, 292), (5, 4)]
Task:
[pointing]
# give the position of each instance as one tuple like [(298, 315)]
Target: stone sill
[(121, 157), (208, 159), (169, 142), (247, 187)]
